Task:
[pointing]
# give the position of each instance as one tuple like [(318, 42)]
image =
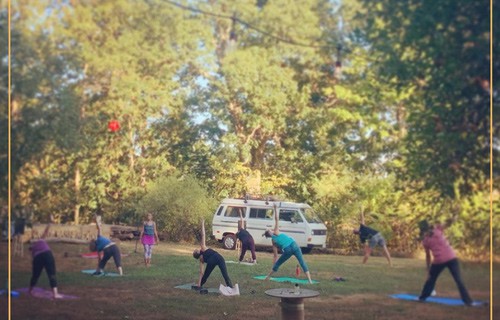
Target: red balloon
[(113, 125)]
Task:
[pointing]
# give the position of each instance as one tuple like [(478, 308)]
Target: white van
[(296, 220)]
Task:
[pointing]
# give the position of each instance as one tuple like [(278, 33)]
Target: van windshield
[(310, 216)]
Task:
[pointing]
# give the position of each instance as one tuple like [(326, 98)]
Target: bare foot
[(58, 296)]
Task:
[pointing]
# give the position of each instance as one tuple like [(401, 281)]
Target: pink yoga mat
[(46, 294)]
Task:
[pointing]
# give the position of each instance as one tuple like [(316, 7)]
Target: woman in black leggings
[(212, 258), (43, 259)]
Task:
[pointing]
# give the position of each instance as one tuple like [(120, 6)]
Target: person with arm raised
[(287, 245), (371, 238), (43, 258), (246, 239), (212, 259), (107, 247), (443, 256)]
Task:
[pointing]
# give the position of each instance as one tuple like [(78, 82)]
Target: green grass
[(148, 293)]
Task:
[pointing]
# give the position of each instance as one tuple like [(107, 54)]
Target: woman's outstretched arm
[(276, 220), (203, 244)]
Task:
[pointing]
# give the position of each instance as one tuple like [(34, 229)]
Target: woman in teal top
[(287, 245)]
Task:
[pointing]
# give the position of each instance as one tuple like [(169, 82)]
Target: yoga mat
[(242, 262), (46, 294), (286, 279), (187, 286), (107, 274), (93, 255), (440, 300), (13, 293)]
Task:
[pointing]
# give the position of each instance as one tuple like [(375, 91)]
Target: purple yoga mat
[(46, 294)]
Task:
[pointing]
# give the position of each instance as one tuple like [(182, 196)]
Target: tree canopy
[(357, 107)]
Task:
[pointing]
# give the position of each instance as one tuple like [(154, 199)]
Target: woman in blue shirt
[(109, 248), (287, 245)]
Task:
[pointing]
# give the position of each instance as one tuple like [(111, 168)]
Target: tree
[(441, 52)]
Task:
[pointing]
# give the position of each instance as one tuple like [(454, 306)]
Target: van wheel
[(229, 242), (306, 250)]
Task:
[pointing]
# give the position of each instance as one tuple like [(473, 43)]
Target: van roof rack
[(266, 198)]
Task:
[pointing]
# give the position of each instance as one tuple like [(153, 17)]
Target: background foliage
[(230, 98)]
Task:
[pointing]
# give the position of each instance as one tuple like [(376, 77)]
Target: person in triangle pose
[(435, 242), (109, 249), (43, 258), (212, 259), (371, 238), (246, 240), (287, 245)]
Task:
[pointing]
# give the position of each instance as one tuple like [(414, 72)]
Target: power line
[(248, 25)]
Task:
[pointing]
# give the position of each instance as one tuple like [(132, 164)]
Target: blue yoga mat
[(106, 274), (13, 293), (440, 300), (286, 279)]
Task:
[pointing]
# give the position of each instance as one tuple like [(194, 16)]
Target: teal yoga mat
[(286, 279), (104, 274), (440, 300)]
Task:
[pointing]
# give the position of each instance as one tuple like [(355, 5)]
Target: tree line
[(381, 108)]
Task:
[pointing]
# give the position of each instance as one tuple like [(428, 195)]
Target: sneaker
[(98, 273)]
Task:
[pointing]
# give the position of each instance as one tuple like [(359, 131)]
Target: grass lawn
[(149, 293)]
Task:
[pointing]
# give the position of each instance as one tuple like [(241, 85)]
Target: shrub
[(178, 204)]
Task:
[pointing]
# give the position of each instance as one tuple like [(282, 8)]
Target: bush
[(178, 204)]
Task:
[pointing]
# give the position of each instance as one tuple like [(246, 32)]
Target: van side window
[(234, 212), (290, 216), (220, 210), (261, 213)]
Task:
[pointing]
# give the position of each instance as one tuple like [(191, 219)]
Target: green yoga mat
[(286, 279), (104, 274), (187, 286)]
